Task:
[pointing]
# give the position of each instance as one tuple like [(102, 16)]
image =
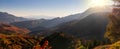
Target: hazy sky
[(43, 7)]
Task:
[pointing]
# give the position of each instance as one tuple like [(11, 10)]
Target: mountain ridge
[(56, 21), (9, 18)]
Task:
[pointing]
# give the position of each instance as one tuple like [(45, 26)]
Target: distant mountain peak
[(9, 18)]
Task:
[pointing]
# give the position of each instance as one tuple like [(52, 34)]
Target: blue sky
[(43, 7)]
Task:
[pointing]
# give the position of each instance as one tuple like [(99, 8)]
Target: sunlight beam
[(95, 3)]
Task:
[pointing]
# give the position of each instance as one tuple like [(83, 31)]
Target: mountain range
[(78, 31), (9, 18), (43, 23), (92, 21), (87, 28)]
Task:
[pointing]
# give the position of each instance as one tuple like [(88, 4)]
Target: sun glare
[(99, 3)]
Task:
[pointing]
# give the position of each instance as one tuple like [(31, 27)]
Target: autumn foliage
[(10, 29), (44, 46)]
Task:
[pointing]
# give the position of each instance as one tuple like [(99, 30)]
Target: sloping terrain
[(9, 18), (10, 29), (49, 23), (91, 27)]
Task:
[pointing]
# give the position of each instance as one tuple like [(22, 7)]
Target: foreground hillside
[(62, 41), (15, 38), (10, 29), (16, 42), (12, 37), (115, 45)]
